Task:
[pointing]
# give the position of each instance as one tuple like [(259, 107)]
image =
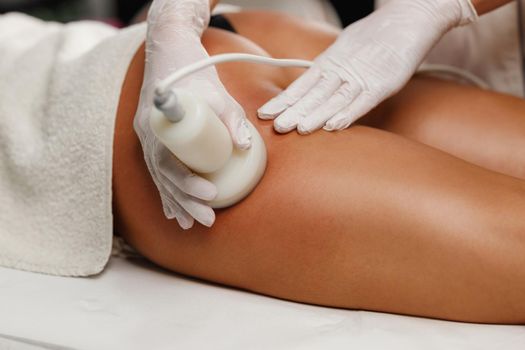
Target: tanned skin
[(418, 210)]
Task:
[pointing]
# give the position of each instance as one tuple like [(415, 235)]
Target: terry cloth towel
[(59, 90)]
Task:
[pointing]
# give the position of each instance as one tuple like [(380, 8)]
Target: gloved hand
[(173, 41), (371, 60)]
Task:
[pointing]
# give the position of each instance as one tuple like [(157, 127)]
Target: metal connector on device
[(170, 106)]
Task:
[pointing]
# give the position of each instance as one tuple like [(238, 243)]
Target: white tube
[(164, 86)]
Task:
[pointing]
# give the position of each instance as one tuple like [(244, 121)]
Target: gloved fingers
[(363, 104), (193, 185), (314, 98), (141, 120), (187, 190), (339, 100), (291, 95), (225, 106), (200, 211), (174, 211), (284, 126), (177, 173), (170, 194), (235, 120)]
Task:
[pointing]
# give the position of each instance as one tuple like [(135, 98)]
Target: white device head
[(201, 141), (194, 133)]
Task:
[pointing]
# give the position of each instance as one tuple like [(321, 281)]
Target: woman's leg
[(481, 127), (361, 219)]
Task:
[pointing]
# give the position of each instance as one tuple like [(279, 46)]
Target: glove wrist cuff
[(468, 12), (453, 13), (182, 16)]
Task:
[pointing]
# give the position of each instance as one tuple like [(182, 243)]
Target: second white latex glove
[(173, 41), (371, 60)]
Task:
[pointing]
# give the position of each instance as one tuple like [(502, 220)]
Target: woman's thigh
[(358, 219), (482, 127)]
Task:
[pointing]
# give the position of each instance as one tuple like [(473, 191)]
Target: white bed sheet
[(135, 305)]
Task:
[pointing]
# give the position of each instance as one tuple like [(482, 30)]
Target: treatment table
[(136, 305)]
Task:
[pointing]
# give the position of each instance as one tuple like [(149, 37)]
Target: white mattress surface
[(135, 305)]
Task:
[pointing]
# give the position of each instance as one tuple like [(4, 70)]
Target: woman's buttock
[(296, 165), (330, 207)]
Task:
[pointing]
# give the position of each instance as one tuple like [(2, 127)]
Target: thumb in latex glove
[(173, 41), (371, 60)]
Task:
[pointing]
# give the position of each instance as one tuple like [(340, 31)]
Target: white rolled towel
[(59, 91)]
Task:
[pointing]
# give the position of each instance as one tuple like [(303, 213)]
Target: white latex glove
[(173, 40), (371, 60)]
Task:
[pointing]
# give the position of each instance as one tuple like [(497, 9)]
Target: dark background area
[(350, 11), (59, 10), (70, 10), (124, 10)]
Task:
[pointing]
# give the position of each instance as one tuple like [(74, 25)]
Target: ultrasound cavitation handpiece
[(189, 128)]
